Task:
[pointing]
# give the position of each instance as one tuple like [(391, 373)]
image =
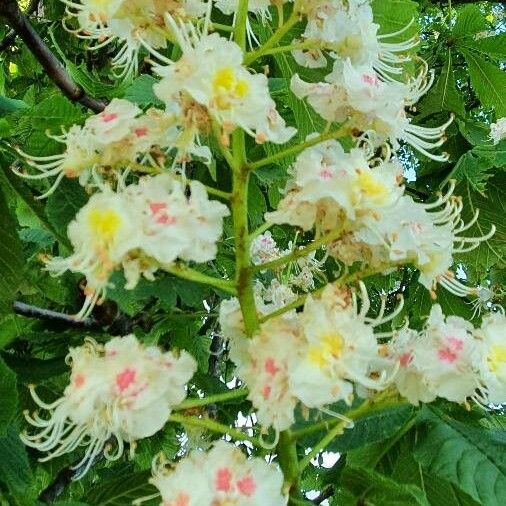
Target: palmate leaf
[(488, 81), (471, 458), (491, 47), (444, 95), (393, 15), (8, 396)]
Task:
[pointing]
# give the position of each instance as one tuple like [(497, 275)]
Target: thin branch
[(9, 10), (29, 311), (10, 37), (326, 494)]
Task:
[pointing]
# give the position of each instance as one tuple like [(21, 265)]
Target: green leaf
[(15, 470), (444, 95), (375, 488), (393, 15), (493, 47), (8, 105), (8, 396), (141, 91), (475, 169), (473, 459), (470, 20), (488, 81), (122, 491), (492, 209), (11, 258), (64, 203), (54, 112)]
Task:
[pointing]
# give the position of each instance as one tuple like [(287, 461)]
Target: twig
[(9, 10), (326, 494), (29, 311)]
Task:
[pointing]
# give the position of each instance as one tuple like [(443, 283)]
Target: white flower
[(144, 227), (272, 354), (441, 361), (132, 23), (122, 391), (492, 337), (229, 93), (263, 249), (330, 186), (498, 130), (223, 476), (341, 347), (117, 138)]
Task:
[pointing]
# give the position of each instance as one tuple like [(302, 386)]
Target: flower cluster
[(221, 92), (143, 227), (120, 392), (451, 359), (315, 357), (381, 226), (117, 138), (131, 23), (498, 130), (222, 476)]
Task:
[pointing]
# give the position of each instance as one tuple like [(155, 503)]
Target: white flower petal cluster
[(222, 476), (316, 357), (346, 29), (143, 227), (330, 187), (221, 90), (132, 23), (492, 365), (498, 130), (122, 391), (426, 235), (373, 105), (451, 359), (114, 139)]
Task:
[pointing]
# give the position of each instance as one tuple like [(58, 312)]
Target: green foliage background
[(439, 455)]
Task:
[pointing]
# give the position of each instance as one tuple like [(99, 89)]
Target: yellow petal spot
[(497, 357), (226, 87), (330, 348), (371, 186), (104, 223)]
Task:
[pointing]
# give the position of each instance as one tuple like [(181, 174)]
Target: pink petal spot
[(108, 117), (161, 217), (247, 486), (447, 355), (79, 380), (405, 359), (325, 174), (266, 392), (156, 207), (270, 367), (223, 479), (165, 219), (372, 80), (141, 132), (125, 378), (182, 499), (455, 343)]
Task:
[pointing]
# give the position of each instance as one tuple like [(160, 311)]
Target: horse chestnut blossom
[(121, 391), (132, 23), (498, 131), (492, 366), (440, 361), (221, 91), (315, 357), (347, 30), (372, 105), (144, 227), (223, 476), (330, 187), (115, 139)]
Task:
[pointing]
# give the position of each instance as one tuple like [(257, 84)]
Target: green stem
[(308, 44), (240, 24), (221, 28), (301, 252), (239, 204), (184, 272), (214, 426), (288, 460), (260, 230), (273, 40), (212, 399), (294, 150)]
